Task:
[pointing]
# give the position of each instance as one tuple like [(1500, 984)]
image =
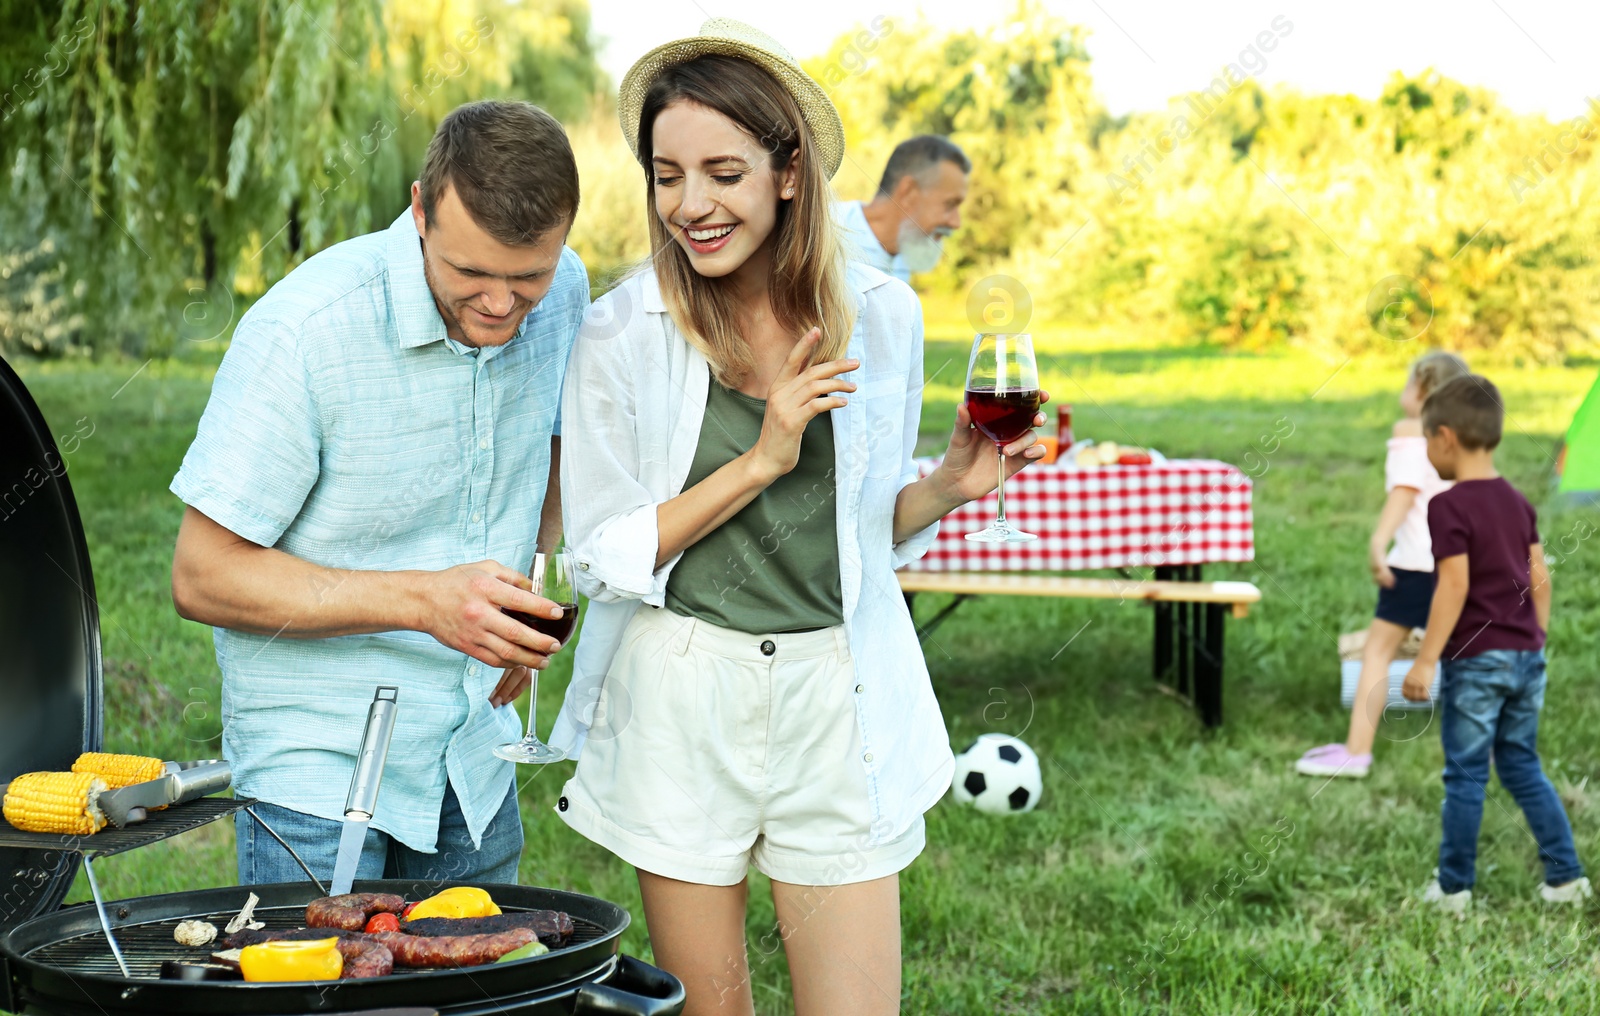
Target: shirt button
[(483, 442), (768, 648), (867, 757), (583, 566), (860, 688), (477, 516)]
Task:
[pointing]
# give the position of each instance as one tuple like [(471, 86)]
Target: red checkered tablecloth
[(1183, 511)]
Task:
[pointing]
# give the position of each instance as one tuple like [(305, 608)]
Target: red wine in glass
[(1003, 416), (1002, 400), (551, 578), (557, 628)]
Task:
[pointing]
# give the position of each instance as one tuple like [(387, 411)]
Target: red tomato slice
[(383, 922)]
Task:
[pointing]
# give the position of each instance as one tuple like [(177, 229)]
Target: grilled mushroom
[(195, 933)]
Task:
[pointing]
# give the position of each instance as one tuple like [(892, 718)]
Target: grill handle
[(363, 797), (9, 1002), (635, 989)]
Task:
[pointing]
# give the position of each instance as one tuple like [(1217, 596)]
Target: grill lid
[(50, 705)]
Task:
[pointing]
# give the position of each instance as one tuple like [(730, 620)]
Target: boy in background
[(1490, 612)]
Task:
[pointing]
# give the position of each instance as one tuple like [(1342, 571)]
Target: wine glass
[(552, 578), (1002, 398)]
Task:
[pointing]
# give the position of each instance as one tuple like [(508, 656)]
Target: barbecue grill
[(105, 958)]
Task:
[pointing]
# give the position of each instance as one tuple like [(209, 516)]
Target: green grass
[(1166, 869)]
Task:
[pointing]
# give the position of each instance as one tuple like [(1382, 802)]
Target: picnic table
[(1172, 516)]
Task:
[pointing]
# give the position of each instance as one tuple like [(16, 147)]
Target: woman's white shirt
[(632, 406)]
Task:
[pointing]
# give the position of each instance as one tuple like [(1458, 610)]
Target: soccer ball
[(999, 774)]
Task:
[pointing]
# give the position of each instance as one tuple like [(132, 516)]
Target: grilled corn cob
[(119, 770), (56, 803)]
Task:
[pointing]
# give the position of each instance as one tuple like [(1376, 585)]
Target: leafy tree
[(1017, 98), (167, 161), (162, 158), (154, 145), (450, 52), (610, 233), (1431, 215)]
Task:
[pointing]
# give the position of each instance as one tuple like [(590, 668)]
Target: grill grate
[(145, 946), (179, 818)]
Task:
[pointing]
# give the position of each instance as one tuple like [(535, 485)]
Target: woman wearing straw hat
[(749, 689)]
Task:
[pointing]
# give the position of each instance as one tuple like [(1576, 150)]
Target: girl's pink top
[(1407, 466)]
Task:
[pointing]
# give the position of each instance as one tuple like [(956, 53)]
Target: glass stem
[(533, 703), (1000, 515)]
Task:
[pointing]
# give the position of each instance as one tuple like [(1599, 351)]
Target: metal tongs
[(183, 782)]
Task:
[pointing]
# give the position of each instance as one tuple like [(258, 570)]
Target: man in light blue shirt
[(902, 229), (366, 488)]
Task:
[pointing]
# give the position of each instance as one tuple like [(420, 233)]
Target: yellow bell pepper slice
[(316, 960), (461, 901)]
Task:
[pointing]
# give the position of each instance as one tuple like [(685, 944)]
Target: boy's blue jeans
[(1490, 704)]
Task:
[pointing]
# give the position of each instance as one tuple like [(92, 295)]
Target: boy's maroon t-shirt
[(1494, 525)]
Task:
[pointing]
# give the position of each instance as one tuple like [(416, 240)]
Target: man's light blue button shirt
[(345, 428), (863, 243)]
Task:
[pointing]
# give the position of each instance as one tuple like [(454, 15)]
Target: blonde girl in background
[(1403, 572)]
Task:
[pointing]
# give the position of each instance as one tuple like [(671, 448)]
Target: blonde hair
[(807, 282), (1432, 370)]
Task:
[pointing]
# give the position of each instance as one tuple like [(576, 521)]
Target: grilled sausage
[(453, 951), (376, 955), (553, 927), (352, 910), (255, 936), (364, 958)]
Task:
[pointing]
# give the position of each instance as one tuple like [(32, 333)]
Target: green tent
[(1580, 456)]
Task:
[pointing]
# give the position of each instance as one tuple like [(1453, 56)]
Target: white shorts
[(740, 750)]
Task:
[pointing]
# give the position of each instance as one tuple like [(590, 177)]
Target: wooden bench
[(1188, 614)]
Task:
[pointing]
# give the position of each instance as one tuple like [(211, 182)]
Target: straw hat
[(728, 37)]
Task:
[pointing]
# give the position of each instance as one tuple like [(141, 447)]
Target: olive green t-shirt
[(774, 566)]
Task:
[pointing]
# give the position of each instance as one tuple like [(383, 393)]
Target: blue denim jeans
[(1490, 705), (262, 859)]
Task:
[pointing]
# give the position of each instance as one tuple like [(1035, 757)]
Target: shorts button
[(867, 757), (768, 648), (562, 804)]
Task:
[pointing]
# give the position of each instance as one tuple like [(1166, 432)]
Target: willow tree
[(151, 147), (167, 160), (446, 52)]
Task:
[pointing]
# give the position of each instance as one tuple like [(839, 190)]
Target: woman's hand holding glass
[(969, 470), (1003, 399)]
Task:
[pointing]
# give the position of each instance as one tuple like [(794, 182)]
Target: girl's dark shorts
[(1407, 603)]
